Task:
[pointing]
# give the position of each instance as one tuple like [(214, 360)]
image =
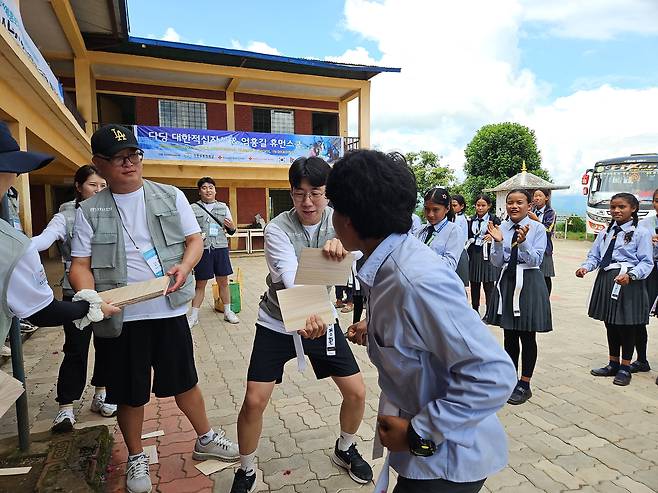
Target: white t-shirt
[(56, 230), (28, 290), (132, 210)]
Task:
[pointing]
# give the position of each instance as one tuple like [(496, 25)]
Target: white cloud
[(257, 46), (171, 35), (461, 71)]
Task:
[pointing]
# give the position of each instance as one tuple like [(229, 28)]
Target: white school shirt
[(448, 242), (28, 290), (531, 251), (462, 222), (479, 233), (56, 230), (650, 223), (132, 209)]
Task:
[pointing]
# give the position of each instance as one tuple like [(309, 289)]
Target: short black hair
[(440, 196), (459, 199), (376, 193), (81, 176), (313, 169), (204, 180), (483, 196), (522, 191)]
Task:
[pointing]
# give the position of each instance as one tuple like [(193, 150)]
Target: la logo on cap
[(118, 134)]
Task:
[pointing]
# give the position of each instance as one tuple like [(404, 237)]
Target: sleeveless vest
[(219, 211), (67, 209), (290, 224), (13, 245), (108, 251)]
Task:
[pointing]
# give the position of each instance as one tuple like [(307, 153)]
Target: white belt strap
[(331, 340), (386, 408), (485, 250), (299, 351), (518, 286)]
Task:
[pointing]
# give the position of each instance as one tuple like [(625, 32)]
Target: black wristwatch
[(418, 446)]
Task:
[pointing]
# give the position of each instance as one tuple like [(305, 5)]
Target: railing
[(351, 143)]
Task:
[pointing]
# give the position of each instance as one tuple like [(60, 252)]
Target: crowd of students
[(441, 373)]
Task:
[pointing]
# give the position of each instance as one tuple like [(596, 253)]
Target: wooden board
[(136, 293), (316, 268), (10, 390), (152, 434), (14, 471), (212, 466), (300, 302), (152, 454)]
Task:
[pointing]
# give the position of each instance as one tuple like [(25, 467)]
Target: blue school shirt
[(437, 362), (651, 224), (448, 240), (547, 217), (633, 245), (531, 251), (462, 222)]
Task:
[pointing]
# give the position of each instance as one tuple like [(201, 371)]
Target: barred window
[(182, 114), (274, 121)]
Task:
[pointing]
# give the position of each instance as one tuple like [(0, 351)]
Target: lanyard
[(122, 223)]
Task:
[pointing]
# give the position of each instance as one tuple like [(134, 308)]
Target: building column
[(84, 92), (19, 132), (233, 206), (343, 121), (364, 116), (230, 110)]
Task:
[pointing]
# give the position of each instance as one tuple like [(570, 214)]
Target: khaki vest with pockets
[(67, 209), (108, 251), (219, 211)]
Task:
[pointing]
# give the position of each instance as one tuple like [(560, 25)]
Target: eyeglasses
[(134, 158), (315, 196)]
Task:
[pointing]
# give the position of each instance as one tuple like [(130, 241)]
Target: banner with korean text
[(191, 144)]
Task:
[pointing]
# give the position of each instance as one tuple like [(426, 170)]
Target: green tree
[(429, 171), (496, 153)]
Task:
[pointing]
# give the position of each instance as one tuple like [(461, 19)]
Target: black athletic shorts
[(214, 262), (163, 344), (272, 350)]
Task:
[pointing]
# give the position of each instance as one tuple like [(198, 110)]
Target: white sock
[(227, 308), (195, 313), (136, 456), (62, 407), (345, 441), (206, 437), (247, 463)]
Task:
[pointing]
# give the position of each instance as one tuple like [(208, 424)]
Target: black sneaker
[(640, 366), (519, 395), (606, 371), (243, 483), (351, 460), (622, 378)]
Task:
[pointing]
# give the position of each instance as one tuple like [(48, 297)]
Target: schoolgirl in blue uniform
[(458, 205), (624, 257), (544, 213), (440, 233), (650, 223), (481, 272), (520, 305)]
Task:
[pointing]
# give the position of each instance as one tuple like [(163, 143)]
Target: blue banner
[(191, 144)]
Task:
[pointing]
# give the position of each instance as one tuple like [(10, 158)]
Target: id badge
[(16, 224), (331, 340), (213, 229), (151, 258)]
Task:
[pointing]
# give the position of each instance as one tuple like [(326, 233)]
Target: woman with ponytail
[(624, 258)]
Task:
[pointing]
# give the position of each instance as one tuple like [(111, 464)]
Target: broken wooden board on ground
[(10, 390), (152, 454), (136, 293), (315, 268), (212, 466), (300, 302), (14, 471), (152, 434)]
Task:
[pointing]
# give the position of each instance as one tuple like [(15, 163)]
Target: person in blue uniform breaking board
[(441, 373), (624, 257)]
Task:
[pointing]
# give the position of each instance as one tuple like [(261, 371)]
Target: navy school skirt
[(630, 308), (480, 270)]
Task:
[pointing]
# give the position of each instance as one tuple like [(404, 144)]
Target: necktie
[(539, 213), (430, 233), (607, 256), (479, 219), (514, 254)]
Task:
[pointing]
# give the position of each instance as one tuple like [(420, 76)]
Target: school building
[(69, 66)]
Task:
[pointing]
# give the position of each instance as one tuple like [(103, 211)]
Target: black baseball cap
[(13, 160), (110, 139)]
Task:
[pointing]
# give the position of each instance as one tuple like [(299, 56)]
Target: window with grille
[(274, 121), (182, 114)]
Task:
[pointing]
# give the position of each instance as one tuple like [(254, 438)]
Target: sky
[(583, 75)]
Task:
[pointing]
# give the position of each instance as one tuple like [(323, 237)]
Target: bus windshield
[(640, 181)]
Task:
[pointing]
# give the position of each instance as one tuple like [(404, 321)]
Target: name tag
[(213, 229), (331, 340), (151, 258)]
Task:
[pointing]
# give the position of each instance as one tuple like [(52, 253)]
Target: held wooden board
[(136, 293), (317, 269), (10, 390), (300, 302)]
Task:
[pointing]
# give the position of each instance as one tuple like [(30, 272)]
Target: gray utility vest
[(13, 245), (219, 211), (289, 223), (67, 209), (108, 251)]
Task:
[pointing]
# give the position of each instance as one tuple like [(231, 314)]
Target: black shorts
[(164, 344), (272, 350), (214, 262)]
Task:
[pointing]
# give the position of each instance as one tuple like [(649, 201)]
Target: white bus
[(636, 174)]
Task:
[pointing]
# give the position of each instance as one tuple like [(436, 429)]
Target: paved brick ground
[(578, 433)]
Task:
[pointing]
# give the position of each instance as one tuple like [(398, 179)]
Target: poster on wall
[(12, 23), (191, 144)]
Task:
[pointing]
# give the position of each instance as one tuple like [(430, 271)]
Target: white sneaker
[(98, 405), (192, 320), (108, 410), (5, 351), (138, 479), (64, 421), (231, 317), (97, 402), (219, 448)]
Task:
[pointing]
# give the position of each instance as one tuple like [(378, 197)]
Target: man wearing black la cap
[(24, 289), (136, 230)]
